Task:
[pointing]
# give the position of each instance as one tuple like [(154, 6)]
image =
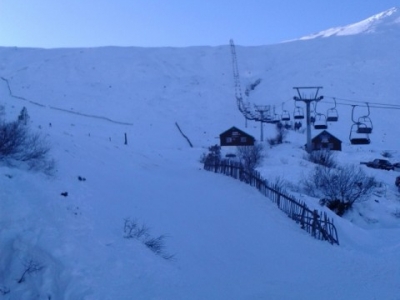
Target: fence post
[(302, 216), (314, 222)]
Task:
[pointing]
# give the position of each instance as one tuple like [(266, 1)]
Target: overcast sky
[(175, 23)]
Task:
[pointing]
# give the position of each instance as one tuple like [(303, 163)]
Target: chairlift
[(357, 138), (320, 122), (359, 131), (364, 125), (332, 114), (285, 116), (298, 113), (275, 119)]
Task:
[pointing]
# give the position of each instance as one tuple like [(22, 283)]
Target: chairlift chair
[(332, 113), (285, 116), (266, 118), (298, 113), (364, 125), (275, 119), (320, 122), (357, 138)]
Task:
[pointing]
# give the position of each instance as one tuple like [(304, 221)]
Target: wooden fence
[(318, 224)]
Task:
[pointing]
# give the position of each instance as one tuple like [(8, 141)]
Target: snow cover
[(228, 241), (377, 23)]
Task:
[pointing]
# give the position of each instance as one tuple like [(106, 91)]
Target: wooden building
[(236, 137), (325, 140)]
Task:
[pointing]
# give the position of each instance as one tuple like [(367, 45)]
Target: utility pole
[(307, 101)]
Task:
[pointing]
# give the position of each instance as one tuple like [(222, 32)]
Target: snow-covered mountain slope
[(383, 22), (228, 240)]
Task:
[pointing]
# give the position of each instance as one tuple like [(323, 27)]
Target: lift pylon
[(308, 100)]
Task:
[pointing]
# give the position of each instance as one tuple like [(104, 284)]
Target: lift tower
[(262, 109), (307, 100), (238, 91), (261, 113)]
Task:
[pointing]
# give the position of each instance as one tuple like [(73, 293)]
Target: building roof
[(233, 128), (324, 132)]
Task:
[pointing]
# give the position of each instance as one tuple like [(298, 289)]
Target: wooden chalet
[(236, 137), (326, 140)]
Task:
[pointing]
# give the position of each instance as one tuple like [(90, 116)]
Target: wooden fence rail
[(318, 224)]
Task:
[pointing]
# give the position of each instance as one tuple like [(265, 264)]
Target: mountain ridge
[(384, 21)]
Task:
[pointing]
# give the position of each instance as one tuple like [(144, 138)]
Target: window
[(243, 139), (228, 140), (324, 139)]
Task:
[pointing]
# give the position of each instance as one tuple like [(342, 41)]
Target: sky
[(173, 23)]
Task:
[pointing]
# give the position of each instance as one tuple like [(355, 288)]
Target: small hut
[(236, 137), (326, 140)]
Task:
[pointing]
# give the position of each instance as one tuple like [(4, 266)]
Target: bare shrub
[(132, 229), (213, 156), (156, 245), (340, 187), (250, 157), (37, 148), (30, 266), (12, 138), (129, 228), (309, 188), (279, 184), (324, 158), (281, 133), (203, 158), (19, 144), (142, 231)]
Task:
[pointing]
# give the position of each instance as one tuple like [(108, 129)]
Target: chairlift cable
[(374, 104)]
